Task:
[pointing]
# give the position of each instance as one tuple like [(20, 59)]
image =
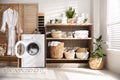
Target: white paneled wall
[(54, 8), (96, 17), (84, 6), (103, 18)]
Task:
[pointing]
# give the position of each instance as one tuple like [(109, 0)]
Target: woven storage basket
[(96, 63), (69, 55), (57, 51), (82, 55), (3, 48), (56, 34)]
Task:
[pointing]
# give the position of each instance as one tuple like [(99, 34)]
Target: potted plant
[(97, 57), (70, 14)]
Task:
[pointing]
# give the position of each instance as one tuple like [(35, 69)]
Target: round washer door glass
[(33, 49)]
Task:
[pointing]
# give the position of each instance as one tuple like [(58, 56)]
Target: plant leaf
[(99, 38), (93, 55), (70, 13), (100, 54)]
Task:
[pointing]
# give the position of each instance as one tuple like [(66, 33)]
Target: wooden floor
[(56, 74)]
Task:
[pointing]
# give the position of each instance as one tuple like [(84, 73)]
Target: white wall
[(113, 60), (96, 16), (54, 8), (103, 18), (112, 56)]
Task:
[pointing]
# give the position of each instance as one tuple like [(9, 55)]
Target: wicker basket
[(56, 34), (82, 55), (96, 63), (57, 51), (3, 48), (69, 55)]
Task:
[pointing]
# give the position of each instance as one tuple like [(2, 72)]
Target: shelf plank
[(63, 59), (74, 24), (8, 57), (68, 39), (50, 60)]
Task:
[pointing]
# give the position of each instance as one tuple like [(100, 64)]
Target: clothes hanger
[(12, 7)]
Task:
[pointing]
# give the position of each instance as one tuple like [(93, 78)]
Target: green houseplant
[(97, 57), (70, 14)]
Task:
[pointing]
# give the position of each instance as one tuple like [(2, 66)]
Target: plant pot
[(96, 63), (70, 21)]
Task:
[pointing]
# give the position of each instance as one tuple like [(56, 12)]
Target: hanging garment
[(10, 17)]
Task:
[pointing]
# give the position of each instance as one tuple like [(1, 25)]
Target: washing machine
[(31, 50)]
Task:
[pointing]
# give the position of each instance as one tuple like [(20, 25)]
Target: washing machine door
[(22, 51), (33, 48)]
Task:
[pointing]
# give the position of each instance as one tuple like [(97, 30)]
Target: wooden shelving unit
[(69, 42)]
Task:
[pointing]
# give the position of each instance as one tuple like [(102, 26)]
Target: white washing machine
[(32, 50)]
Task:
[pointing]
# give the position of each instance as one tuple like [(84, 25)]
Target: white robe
[(10, 17)]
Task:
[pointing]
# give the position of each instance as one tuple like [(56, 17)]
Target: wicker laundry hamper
[(96, 63), (56, 52)]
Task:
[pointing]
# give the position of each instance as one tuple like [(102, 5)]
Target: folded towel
[(53, 43)]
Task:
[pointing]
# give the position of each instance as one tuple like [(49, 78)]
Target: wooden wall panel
[(3, 7), (28, 21), (30, 18)]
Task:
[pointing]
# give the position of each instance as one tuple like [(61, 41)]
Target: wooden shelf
[(8, 57), (67, 39), (62, 25), (63, 60)]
